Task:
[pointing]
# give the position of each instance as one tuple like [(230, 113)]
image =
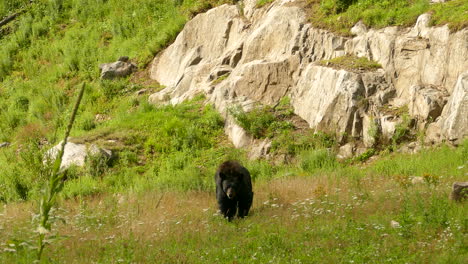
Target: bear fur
[(233, 189)]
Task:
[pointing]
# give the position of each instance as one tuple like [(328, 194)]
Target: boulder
[(426, 102), (454, 121), (259, 149), (120, 68), (327, 98), (75, 154), (346, 151), (459, 191)]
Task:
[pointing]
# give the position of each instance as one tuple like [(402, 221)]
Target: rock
[(455, 114), (417, 180), (4, 144), (238, 136), (141, 91), (332, 111), (423, 55), (100, 118), (260, 149), (359, 28), (459, 191), (388, 124), (120, 68), (75, 154), (395, 224), (433, 134), (346, 151), (161, 97), (426, 103)]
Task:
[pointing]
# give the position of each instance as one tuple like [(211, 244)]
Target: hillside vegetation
[(154, 201), (341, 15)]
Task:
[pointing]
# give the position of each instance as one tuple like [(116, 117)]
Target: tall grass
[(341, 15)]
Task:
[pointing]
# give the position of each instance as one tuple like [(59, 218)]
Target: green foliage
[(316, 159), (261, 3), (290, 143), (366, 155), (264, 121), (256, 122), (341, 15), (402, 130), (351, 63)]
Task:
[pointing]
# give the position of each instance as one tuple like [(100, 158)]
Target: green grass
[(261, 3), (264, 121), (340, 15), (351, 63), (329, 216)]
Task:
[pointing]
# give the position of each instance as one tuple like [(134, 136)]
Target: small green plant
[(261, 3), (351, 63), (402, 130), (220, 79), (373, 130), (366, 155), (265, 121), (256, 122)]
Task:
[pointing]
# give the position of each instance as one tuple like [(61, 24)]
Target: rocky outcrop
[(76, 154), (271, 52), (453, 122)]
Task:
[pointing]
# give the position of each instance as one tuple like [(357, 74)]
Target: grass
[(338, 216), (261, 3), (340, 15), (264, 121), (351, 63)]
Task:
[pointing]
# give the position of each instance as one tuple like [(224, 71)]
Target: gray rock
[(327, 98), (346, 151), (455, 114), (75, 154), (426, 103), (260, 149), (4, 144), (459, 191), (120, 68)]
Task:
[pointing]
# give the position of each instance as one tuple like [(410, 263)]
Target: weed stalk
[(55, 184)]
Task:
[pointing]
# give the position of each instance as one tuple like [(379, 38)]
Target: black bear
[(233, 189)]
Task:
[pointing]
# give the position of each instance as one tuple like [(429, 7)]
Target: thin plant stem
[(55, 183)]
